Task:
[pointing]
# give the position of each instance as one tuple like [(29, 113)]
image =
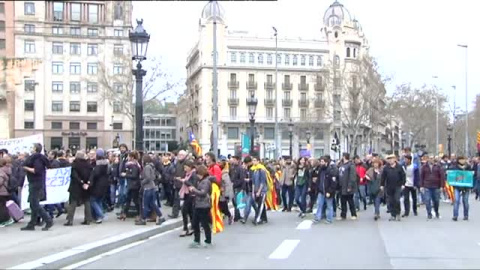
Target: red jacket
[(215, 170), (361, 172)]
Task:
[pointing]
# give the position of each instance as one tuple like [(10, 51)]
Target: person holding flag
[(259, 191)]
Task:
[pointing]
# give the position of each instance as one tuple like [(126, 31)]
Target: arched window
[(337, 60), (260, 58), (348, 52), (251, 58), (354, 52)]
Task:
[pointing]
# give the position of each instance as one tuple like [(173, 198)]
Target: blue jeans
[(360, 194), (113, 193), (377, 199), (301, 197), (249, 202), (456, 206), (150, 203), (97, 209), (432, 194), (322, 199), (122, 191)]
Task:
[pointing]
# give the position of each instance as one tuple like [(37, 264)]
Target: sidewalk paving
[(19, 247)]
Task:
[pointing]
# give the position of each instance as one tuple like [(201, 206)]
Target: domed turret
[(211, 10), (336, 14)]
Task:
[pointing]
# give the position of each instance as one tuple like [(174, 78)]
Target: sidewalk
[(19, 247)]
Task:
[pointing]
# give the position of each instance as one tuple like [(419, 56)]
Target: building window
[(286, 79), (337, 115), (29, 105), (2, 26), (260, 58), (319, 61), (233, 77), (286, 113), (354, 52), (92, 87), (251, 58), (118, 126), (57, 47), (29, 125), (57, 30), (75, 31), (92, 126), (286, 95), (93, 32), (2, 44), (303, 79), (303, 114), (118, 50), (91, 106), (74, 125), (295, 60), (75, 68), (92, 68), (57, 106), (75, 49), (74, 106), (56, 142), (337, 60), (269, 59), (269, 133), (269, 111), (348, 52), (74, 87), (251, 78), (2, 8), (92, 49), (29, 28), (233, 93), (118, 88), (269, 94), (92, 13), (29, 46), (58, 11), (233, 113), (117, 107), (29, 85), (29, 8), (57, 125), (287, 59), (279, 59), (91, 142), (232, 133), (302, 60), (118, 32), (310, 60), (242, 57), (57, 87), (57, 67), (117, 69), (75, 12), (233, 57), (319, 135)]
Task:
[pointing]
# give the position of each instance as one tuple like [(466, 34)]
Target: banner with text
[(22, 144), (57, 183), (457, 178)]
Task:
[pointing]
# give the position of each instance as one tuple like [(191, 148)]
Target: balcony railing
[(319, 103), (269, 85), (233, 84), (319, 87), (287, 102), (303, 103), (270, 102), (287, 86), (303, 87), (233, 101), (251, 85)]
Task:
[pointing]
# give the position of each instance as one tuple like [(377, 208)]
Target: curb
[(80, 253)]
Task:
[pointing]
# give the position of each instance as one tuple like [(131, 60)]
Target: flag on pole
[(217, 220), (194, 144)]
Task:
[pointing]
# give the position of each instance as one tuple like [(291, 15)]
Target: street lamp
[(277, 135), (436, 123), (465, 46), (449, 139), (290, 130), (308, 135), (252, 107), (139, 39)]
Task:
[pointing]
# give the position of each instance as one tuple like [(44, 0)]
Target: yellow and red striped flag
[(217, 220), (271, 198), (450, 192), (194, 144)]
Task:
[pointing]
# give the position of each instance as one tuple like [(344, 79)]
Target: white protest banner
[(57, 183), (22, 144)]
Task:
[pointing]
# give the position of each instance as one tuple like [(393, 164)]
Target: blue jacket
[(260, 178)]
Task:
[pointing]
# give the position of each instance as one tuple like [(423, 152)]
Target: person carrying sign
[(461, 193)]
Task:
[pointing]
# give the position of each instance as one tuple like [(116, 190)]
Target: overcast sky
[(412, 40)]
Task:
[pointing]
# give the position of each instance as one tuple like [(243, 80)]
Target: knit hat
[(100, 153)]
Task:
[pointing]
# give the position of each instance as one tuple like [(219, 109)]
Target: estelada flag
[(271, 198), (194, 143), (217, 220), (450, 191)]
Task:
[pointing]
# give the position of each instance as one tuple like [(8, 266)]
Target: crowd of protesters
[(104, 181)]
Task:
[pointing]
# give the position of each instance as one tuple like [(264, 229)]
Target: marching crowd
[(199, 189)]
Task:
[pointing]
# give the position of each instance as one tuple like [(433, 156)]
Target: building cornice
[(280, 49)]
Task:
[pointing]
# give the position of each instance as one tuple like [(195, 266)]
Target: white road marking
[(305, 225), (284, 250)]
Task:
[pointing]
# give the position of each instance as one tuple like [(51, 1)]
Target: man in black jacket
[(348, 182), (326, 183), (393, 176), (238, 181), (177, 184)]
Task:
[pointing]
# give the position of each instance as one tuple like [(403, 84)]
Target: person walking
[(393, 178), (36, 168), (179, 163), (286, 181), (361, 194), (191, 179), (461, 193), (226, 191), (326, 184), (432, 179), (302, 180), (132, 174), (78, 189), (202, 205), (238, 181), (122, 181), (374, 179), (348, 185), (98, 185), (5, 218), (313, 186), (412, 176)]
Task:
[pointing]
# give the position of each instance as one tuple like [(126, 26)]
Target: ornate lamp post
[(449, 139), (252, 107), (290, 134), (139, 39)]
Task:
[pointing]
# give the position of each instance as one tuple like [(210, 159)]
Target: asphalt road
[(288, 242)]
